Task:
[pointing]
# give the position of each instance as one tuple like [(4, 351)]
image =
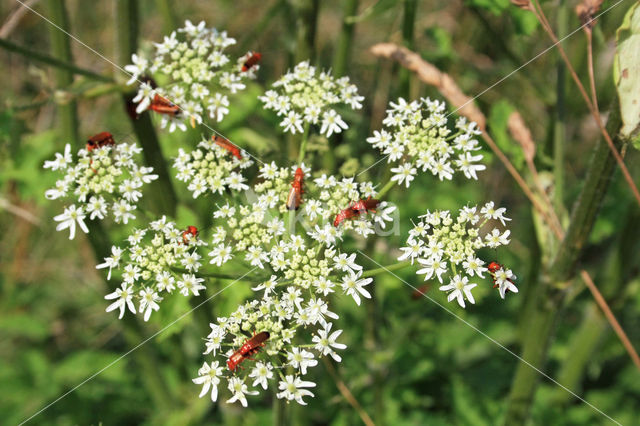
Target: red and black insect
[(493, 268), (224, 143), (191, 230), (250, 347), (163, 105), (295, 193), (358, 208), (251, 61), (100, 140)]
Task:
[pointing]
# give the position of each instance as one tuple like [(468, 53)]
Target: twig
[(346, 393), (545, 25), (14, 19), (19, 211)]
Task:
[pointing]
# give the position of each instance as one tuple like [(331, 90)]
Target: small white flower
[(261, 373), (61, 161), (149, 302), (459, 289), (353, 286), (68, 219), (404, 173), (239, 389), (301, 359), (293, 389), (209, 378), (124, 294), (325, 342)]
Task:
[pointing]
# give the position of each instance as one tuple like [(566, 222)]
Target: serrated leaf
[(626, 72)]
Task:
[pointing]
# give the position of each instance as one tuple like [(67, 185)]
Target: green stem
[(54, 62), (384, 269), (386, 188), (559, 127), (408, 24), (551, 294), (61, 48), (161, 192), (306, 12), (303, 144), (345, 39), (169, 21)]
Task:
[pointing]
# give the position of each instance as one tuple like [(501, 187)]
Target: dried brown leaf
[(433, 76), (521, 133), (586, 10)]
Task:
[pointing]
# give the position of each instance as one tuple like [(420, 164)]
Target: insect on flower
[(100, 140), (250, 347), (224, 143), (493, 268), (251, 61), (163, 105), (356, 209), (192, 231), (295, 193)]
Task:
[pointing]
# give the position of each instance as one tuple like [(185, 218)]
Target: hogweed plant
[(194, 73), (282, 226)]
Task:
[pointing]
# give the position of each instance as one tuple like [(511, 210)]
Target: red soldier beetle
[(191, 230), (250, 347), (356, 209), (100, 140), (493, 268), (163, 105), (295, 193), (251, 61), (224, 143)]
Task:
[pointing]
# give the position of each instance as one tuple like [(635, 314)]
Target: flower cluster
[(293, 308), (442, 245), (158, 260), (417, 135), (303, 97), (324, 197), (104, 180), (196, 74), (211, 168)]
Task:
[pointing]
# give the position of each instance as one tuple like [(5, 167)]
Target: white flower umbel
[(419, 135), (104, 180), (304, 96), (155, 263), (196, 73), (324, 197), (446, 248), (211, 169)]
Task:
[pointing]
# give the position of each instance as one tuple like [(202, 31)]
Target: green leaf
[(626, 71), (498, 123)]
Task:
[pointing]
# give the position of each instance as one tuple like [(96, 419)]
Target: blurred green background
[(409, 362)]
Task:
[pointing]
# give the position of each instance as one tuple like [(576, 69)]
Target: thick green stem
[(551, 294), (61, 48), (306, 12), (169, 21), (408, 24), (160, 192), (49, 60), (559, 125), (345, 39)]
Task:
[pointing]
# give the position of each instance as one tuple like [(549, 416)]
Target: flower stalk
[(161, 193), (550, 298)]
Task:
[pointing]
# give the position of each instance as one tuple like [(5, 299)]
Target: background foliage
[(408, 362)]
